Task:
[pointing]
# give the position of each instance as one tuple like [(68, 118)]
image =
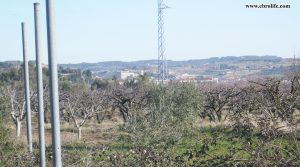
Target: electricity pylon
[(162, 70)]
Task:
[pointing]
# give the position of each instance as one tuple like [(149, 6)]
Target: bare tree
[(216, 101), (80, 106), (267, 103), (277, 103), (34, 102), (125, 99), (17, 106), (278, 99)]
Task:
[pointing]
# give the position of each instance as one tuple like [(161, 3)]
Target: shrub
[(170, 113)]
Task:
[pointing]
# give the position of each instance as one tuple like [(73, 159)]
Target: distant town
[(216, 69)]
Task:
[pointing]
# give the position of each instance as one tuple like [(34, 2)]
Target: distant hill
[(8, 64), (264, 65), (120, 65)]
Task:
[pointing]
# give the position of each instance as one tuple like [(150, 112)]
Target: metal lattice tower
[(162, 70)]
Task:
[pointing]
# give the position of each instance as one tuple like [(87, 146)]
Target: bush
[(169, 115), (4, 131)]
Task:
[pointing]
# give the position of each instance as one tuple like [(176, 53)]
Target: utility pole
[(26, 85), (162, 71), (39, 76), (53, 84)]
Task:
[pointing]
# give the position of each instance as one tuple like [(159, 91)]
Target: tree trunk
[(46, 119), (124, 116), (18, 128), (79, 133), (219, 115), (100, 118)]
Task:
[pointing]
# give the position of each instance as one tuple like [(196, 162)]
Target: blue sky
[(104, 30)]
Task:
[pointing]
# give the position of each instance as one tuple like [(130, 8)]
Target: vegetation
[(141, 123)]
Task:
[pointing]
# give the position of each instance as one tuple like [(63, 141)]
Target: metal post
[(39, 76), (27, 92), (162, 70), (53, 83)]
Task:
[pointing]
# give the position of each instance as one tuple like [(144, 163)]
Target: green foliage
[(87, 73), (11, 76), (103, 84), (65, 85), (210, 146), (11, 153), (63, 70), (162, 130), (17, 155), (141, 81), (169, 115), (4, 131)]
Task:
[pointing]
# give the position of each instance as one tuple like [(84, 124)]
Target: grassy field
[(209, 144)]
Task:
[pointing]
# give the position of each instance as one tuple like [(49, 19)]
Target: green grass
[(221, 143)]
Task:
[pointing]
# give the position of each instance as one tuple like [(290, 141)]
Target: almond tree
[(17, 106), (216, 100), (125, 99), (277, 99), (80, 106), (267, 103), (34, 103)]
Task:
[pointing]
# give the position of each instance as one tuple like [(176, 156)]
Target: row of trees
[(267, 103), (79, 102), (12, 93), (157, 118)]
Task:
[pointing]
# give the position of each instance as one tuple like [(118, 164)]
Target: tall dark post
[(53, 84), (39, 76), (27, 92)]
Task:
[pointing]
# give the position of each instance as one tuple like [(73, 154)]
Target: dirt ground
[(91, 132)]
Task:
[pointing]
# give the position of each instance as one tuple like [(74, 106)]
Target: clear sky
[(126, 30)]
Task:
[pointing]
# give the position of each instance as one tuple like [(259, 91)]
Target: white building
[(127, 74)]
